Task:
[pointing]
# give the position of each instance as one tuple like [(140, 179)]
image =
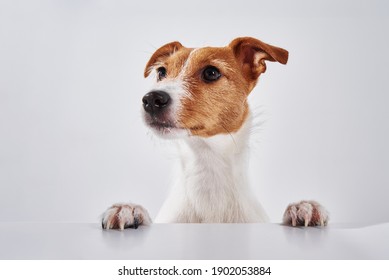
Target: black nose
[(155, 101)]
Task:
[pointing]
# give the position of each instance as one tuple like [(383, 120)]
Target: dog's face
[(203, 91)]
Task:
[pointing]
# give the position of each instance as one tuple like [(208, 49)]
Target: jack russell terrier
[(200, 98)]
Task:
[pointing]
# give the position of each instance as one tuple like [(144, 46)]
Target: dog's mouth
[(167, 127), (162, 125)]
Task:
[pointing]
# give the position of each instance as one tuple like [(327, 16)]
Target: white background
[(280, 269), (72, 140)]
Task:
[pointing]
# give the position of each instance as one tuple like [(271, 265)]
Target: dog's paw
[(125, 215), (305, 213)]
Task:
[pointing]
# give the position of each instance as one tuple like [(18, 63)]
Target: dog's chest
[(211, 187)]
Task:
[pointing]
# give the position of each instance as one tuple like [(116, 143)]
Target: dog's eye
[(161, 72), (210, 74)]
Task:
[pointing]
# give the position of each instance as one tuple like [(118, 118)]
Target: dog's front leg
[(125, 215)]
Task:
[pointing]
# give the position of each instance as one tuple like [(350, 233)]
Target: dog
[(200, 98)]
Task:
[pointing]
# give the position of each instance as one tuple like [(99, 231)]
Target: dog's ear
[(164, 51), (252, 53)]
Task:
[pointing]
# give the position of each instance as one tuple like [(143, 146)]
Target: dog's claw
[(136, 223), (121, 216), (305, 213)]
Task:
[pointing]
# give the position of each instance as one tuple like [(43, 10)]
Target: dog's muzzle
[(155, 102)]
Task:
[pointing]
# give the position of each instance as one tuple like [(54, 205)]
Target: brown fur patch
[(217, 107)]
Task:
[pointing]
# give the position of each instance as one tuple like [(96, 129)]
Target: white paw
[(305, 213), (125, 215)]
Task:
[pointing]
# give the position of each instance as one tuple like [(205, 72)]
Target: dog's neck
[(212, 176), (221, 154)]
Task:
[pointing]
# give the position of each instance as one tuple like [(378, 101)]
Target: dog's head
[(203, 91)]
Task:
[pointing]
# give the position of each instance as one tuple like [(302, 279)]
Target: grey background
[(71, 80)]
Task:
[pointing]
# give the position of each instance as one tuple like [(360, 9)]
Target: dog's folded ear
[(252, 53), (164, 51)]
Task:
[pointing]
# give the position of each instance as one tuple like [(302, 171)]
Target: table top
[(193, 241)]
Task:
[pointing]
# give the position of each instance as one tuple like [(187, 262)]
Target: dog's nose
[(155, 101)]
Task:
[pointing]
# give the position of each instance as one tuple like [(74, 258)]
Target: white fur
[(212, 185)]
